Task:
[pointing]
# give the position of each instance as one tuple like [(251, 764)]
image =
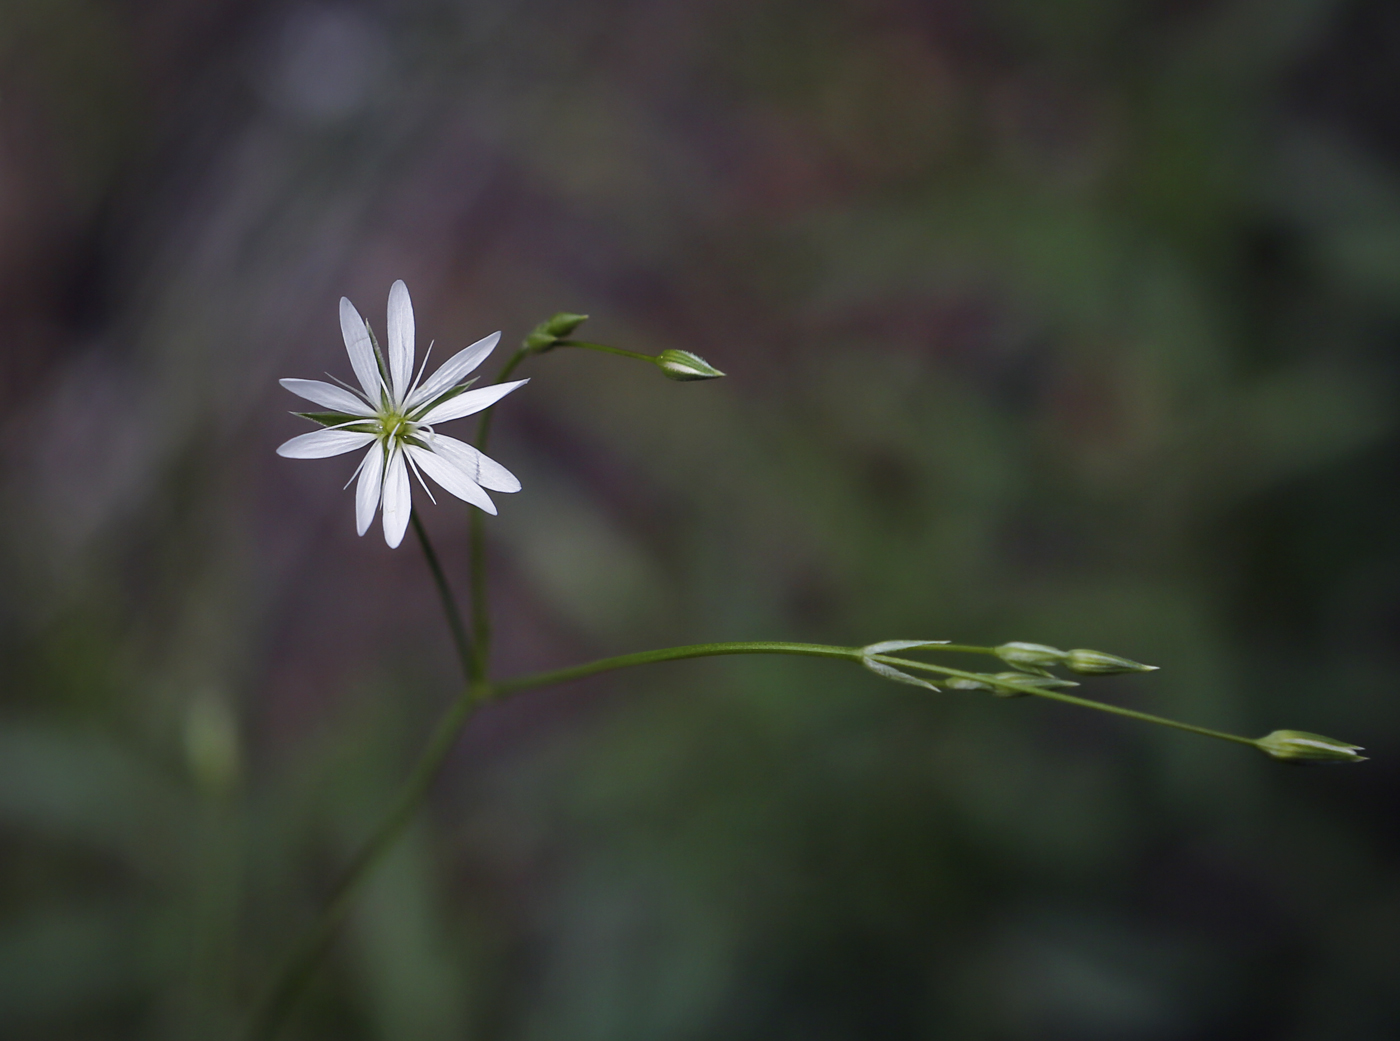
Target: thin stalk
[(306, 955), (481, 606), (604, 348), (1069, 699), (449, 603), (308, 952), (693, 650)]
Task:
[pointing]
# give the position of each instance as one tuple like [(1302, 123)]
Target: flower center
[(394, 427)]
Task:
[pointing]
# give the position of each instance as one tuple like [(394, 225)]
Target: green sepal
[(685, 366), (332, 419), (1298, 746)]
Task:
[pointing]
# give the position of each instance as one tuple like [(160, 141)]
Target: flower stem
[(693, 650), (605, 348), (306, 956), (481, 606), (308, 952), (449, 603)]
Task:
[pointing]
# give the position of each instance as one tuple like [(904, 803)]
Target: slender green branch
[(1069, 699), (307, 954), (605, 348), (693, 650), (449, 603), (481, 606), (301, 965)]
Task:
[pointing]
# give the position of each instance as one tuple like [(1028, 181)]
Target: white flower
[(395, 418)]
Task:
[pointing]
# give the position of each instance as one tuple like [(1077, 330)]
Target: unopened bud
[(1030, 655), (1298, 746), (549, 332), (996, 683), (1097, 663), (682, 365), (562, 324)]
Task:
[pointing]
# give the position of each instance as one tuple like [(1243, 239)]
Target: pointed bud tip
[(562, 324), (1098, 663), (685, 366), (549, 332), (1298, 746)]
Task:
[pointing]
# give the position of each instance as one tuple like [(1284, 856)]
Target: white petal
[(329, 395), (483, 470), (367, 491), (469, 402), (400, 338), (454, 369), (398, 500), (322, 444), (451, 477), (360, 349)]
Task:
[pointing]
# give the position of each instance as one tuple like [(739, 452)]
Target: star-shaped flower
[(395, 417)]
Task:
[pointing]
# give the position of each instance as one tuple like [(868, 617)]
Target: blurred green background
[(1073, 322)]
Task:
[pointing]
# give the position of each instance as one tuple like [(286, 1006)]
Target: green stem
[(693, 650), (481, 607), (604, 348), (306, 955), (449, 603), (1069, 699), (962, 648)]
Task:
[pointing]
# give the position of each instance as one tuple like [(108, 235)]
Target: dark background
[(1072, 322)]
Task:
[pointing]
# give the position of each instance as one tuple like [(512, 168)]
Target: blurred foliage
[(1072, 322)]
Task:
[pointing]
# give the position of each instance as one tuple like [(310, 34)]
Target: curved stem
[(693, 650), (307, 954), (449, 603)]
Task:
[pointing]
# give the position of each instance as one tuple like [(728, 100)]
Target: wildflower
[(395, 416)]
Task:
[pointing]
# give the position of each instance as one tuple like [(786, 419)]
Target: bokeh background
[(1074, 322)]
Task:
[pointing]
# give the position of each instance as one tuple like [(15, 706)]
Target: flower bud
[(1298, 746), (1097, 663), (1027, 680), (1030, 655), (682, 365), (994, 682), (562, 324), (549, 332)]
